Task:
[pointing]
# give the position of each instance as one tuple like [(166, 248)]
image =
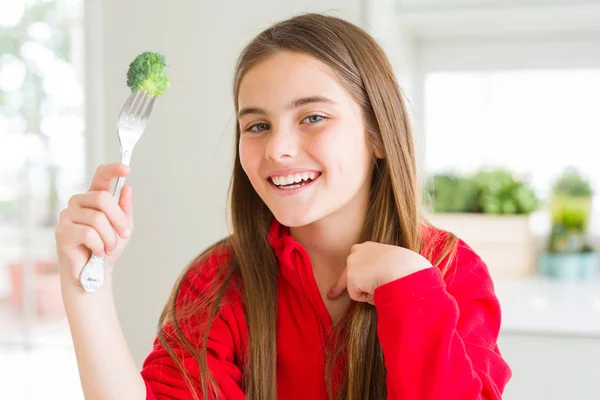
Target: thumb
[(126, 203), (339, 287)]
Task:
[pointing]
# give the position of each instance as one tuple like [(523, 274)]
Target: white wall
[(182, 165), (551, 52), (551, 367), (383, 22)]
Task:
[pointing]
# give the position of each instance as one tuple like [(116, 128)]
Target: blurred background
[(504, 98)]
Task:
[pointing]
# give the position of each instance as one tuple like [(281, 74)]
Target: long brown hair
[(393, 218)]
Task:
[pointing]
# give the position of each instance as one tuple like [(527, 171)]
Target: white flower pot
[(504, 242)]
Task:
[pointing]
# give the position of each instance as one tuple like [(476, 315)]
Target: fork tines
[(138, 105)]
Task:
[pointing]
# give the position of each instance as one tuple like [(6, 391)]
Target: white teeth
[(291, 187), (293, 178)]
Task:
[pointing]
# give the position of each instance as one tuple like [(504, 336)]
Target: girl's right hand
[(94, 222)]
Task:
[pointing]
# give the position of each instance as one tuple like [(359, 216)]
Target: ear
[(378, 153)]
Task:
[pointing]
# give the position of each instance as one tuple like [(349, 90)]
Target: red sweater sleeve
[(439, 336), (164, 380)]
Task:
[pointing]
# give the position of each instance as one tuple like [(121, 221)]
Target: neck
[(329, 240)]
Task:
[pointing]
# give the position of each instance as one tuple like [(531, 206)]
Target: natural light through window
[(42, 159), (534, 122)]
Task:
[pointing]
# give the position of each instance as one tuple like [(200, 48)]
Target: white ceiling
[(452, 19), (454, 4)]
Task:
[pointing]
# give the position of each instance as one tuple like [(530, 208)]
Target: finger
[(105, 174), (370, 299), (126, 204), (97, 220), (74, 235), (91, 239), (103, 201), (358, 295), (340, 286)]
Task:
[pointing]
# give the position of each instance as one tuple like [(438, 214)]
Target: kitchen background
[(504, 95)]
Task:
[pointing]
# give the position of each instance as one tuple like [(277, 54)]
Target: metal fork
[(130, 127)]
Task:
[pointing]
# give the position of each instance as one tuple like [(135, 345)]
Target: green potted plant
[(568, 254), (489, 209)]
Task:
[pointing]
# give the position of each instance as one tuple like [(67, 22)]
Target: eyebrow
[(294, 104)]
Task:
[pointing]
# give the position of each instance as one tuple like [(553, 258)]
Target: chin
[(295, 219)]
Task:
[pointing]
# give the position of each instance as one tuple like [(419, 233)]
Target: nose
[(282, 144)]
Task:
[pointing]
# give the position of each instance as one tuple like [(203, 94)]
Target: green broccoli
[(147, 73)]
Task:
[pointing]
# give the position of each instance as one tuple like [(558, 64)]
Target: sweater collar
[(284, 244), (290, 254), (279, 235)]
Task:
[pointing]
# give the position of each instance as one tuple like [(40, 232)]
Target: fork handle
[(93, 273), (119, 188), (125, 160)]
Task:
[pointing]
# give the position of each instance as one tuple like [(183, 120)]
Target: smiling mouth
[(290, 183)]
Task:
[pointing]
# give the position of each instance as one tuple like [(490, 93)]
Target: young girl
[(332, 285)]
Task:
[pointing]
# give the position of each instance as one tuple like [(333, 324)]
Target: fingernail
[(127, 233)]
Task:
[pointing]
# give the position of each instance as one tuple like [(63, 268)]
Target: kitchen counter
[(540, 305)]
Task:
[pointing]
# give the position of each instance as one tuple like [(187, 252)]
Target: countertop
[(540, 305)]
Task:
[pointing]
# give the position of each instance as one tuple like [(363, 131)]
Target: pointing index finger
[(339, 287)]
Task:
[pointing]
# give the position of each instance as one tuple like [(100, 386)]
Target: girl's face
[(303, 143)]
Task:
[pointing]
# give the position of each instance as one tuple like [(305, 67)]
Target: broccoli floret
[(148, 73)]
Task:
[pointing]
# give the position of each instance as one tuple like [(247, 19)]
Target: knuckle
[(99, 221), (97, 199), (89, 235), (113, 239), (119, 222), (58, 233), (350, 276), (97, 218), (100, 169), (62, 234), (64, 214), (73, 200), (104, 198), (97, 195)]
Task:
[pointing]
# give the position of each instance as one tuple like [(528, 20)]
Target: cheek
[(342, 150), (250, 157), (248, 154)]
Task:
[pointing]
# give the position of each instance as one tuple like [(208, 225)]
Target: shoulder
[(210, 273), (462, 267), (206, 300)]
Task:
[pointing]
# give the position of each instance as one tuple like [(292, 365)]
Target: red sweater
[(438, 334)]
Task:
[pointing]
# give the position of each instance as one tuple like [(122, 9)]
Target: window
[(41, 107), (42, 158), (534, 122)]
